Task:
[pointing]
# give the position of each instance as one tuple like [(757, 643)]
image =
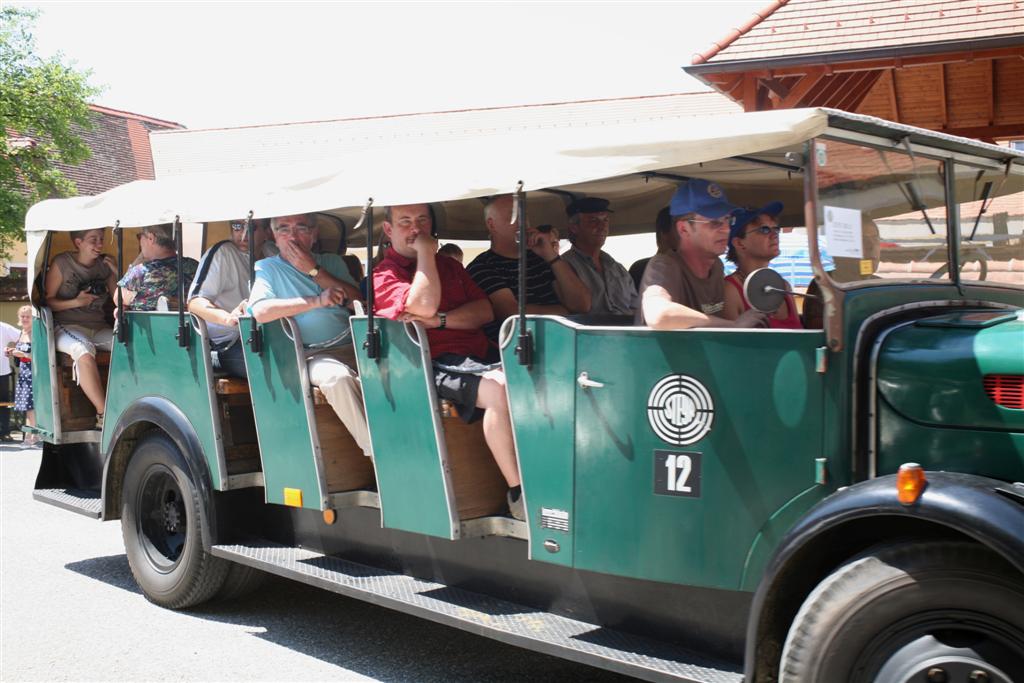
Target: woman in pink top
[(753, 243)]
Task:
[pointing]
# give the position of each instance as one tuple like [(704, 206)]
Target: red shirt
[(392, 278), (790, 322)]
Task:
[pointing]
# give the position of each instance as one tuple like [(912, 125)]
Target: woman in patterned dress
[(22, 351)]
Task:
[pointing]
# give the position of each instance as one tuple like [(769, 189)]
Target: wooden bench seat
[(229, 386), (76, 410)]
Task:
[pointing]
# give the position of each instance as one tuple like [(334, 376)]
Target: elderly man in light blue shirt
[(612, 290), (315, 290)]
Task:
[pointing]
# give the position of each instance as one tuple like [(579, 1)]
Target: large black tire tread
[(884, 585), (198, 576), (241, 580)]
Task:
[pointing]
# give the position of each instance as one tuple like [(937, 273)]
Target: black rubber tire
[(240, 581), (867, 617), (162, 539)]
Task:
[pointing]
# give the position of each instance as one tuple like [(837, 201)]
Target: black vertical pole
[(372, 343), (524, 347), (122, 333), (256, 338), (183, 336)]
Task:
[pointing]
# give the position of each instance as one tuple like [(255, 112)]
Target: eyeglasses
[(766, 230), (299, 229), (717, 224), (237, 226)]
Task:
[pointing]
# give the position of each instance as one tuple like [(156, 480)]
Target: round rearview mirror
[(765, 290)]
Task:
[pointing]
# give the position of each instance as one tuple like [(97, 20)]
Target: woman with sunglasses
[(753, 243)]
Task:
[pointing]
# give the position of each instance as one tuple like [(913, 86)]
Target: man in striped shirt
[(552, 286)]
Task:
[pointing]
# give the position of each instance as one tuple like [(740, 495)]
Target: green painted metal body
[(42, 381), (276, 384), (151, 363), (414, 494), (758, 457)]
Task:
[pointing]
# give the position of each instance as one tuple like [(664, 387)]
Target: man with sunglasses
[(315, 290), (219, 292), (685, 288)]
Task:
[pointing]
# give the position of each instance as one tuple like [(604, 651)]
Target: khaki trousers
[(333, 371)]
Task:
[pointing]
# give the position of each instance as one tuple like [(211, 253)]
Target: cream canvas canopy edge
[(447, 171)]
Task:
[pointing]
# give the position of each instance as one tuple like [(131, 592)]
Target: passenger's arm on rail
[(468, 316), (268, 310), (505, 305), (205, 309), (661, 313)]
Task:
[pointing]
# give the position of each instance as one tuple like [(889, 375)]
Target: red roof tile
[(804, 27)]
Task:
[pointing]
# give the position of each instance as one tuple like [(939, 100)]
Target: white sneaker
[(516, 508)]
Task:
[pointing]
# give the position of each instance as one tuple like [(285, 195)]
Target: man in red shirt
[(413, 284)]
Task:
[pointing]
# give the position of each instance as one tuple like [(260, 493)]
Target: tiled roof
[(804, 27), (119, 141), (226, 149)]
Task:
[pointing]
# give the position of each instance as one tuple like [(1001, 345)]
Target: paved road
[(70, 610)]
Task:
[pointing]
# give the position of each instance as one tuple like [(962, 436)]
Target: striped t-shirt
[(493, 273)]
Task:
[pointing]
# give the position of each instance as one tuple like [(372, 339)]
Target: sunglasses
[(766, 230), (237, 226)]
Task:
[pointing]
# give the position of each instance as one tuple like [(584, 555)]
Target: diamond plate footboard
[(487, 616)]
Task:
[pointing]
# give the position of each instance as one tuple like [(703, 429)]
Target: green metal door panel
[(990, 453), (763, 405), (542, 403), (282, 424), (413, 495), (152, 364), (42, 382), (767, 539)]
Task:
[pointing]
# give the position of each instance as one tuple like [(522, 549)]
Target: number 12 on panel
[(677, 474)]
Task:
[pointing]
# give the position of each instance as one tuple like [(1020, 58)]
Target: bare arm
[(468, 316), (505, 305), (733, 303), (205, 309), (54, 278), (327, 281), (661, 313), (424, 295)]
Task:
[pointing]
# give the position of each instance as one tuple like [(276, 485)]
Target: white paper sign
[(843, 232)]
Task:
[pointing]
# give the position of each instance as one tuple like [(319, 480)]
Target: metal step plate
[(83, 502), (487, 616)]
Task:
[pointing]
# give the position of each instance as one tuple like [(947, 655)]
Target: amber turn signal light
[(910, 483)]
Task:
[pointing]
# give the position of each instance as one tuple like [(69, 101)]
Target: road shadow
[(373, 641)]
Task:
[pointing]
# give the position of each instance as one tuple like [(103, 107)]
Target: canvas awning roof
[(456, 175)]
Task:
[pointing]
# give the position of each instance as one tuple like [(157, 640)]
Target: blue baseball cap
[(744, 215), (700, 196)]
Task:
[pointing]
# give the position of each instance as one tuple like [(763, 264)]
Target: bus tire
[(160, 525), (240, 581), (900, 611)]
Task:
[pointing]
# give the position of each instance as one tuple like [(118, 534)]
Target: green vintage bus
[(833, 504)]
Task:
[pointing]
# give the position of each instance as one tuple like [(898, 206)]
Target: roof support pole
[(524, 345), (372, 342), (122, 333), (255, 341), (183, 335)]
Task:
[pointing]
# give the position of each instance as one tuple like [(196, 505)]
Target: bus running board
[(484, 615), (84, 502)]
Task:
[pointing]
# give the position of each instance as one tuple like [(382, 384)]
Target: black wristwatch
[(558, 257), (443, 317)]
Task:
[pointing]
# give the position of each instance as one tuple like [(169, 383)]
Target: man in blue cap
[(611, 288), (685, 288)]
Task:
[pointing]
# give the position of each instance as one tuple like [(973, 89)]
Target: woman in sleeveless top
[(22, 353), (78, 287), (753, 243)]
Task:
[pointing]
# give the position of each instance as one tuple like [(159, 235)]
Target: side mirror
[(765, 290)]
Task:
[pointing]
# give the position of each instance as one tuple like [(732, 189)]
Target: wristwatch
[(313, 272), (443, 317)]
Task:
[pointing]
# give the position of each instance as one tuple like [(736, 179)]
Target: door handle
[(584, 381)]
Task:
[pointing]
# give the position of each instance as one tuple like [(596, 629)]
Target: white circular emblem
[(714, 190), (680, 410)]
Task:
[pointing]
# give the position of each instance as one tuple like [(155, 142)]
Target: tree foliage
[(43, 105)]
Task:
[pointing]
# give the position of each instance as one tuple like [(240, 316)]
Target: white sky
[(228, 64)]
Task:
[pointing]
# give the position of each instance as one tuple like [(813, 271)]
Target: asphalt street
[(70, 610)]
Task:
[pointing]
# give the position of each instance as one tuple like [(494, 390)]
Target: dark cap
[(701, 197), (743, 216), (588, 205)]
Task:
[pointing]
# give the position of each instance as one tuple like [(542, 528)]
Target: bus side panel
[(406, 457), (282, 423), (542, 403), (42, 382), (151, 363), (695, 441)]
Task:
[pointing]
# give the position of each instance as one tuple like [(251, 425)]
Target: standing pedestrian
[(8, 338), (22, 351)]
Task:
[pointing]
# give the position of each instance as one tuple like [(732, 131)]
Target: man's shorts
[(457, 379)]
